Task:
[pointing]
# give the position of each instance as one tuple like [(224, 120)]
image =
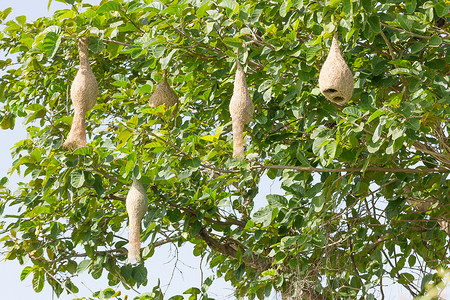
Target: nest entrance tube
[(83, 92), (241, 110), (136, 205), (335, 77)]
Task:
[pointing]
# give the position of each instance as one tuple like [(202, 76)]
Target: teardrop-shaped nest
[(163, 94), (83, 92), (241, 105), (84, 88), (335, 77), (241, 111), (136, 201), (136, 205)]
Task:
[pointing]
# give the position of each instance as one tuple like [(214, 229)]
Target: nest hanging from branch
[(335, 77), (83, 92), (163, 94), (241, 110), (136, 205)]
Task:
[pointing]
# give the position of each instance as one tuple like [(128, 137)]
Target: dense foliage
[(365, 185)]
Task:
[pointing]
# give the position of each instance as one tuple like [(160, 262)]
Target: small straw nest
[(241, 110), (335, 77), (136, 205), (83, 92), (163, 94)]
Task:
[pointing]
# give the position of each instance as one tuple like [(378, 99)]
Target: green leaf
[(352, 111), (25, 272), (288, 241), (126, 271), (380, 68), (410, 6), (435, 41), (193, 163), (239, 272), (377, 133), (375, 115), (442, 8), (367, 5), (257, 11), (263, 215), (318, 203), (158, 50), (203, 8), (108, 293), (77, 178), (51, 43), (233, 42), (413, 123), (83, 265), (195, 228), (406, 278), (284, 8), (230, 4), (207, 283), (109, 6), (139, 274), (331, 149), (394, 208), (276, 200), (374, 23), (373, 147), (416, 47), (319, 239), (38, 281), (165, 60)]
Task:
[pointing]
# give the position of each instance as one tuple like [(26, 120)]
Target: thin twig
[(60, 283), (406, 31), (391, 52), (120, 43), (124, 282), (107, 175)]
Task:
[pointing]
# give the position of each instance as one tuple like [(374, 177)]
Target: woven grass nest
[(136, 205), (163, 94), (335, 77), (83, 92), (241, 111)]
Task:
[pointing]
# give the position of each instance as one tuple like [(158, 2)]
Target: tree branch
[(119, 43), (391, 52), (349, 170), (405, 31)]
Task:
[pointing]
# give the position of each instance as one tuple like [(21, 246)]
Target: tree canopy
[(365, 186)]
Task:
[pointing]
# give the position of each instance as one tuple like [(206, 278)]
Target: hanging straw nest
[(163, 94), (241, 110), (335, 78), (84, 91), (136, 205)]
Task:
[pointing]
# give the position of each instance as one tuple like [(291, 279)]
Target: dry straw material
[(241, 110), (136, 204), (163, 94), (335, 78), (84, 91)]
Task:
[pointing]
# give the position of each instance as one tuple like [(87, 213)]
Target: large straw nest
[(241, 110), (163, 94), (335, 77), (136, 205), (83, 92)]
